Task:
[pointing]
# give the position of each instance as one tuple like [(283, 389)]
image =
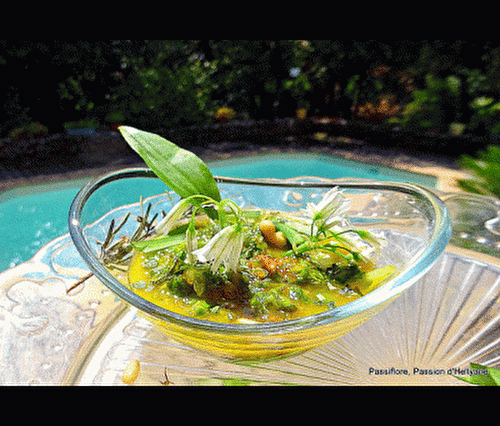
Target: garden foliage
[(448, 87), (486, 170)]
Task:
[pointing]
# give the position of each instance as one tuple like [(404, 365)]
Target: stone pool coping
[(445, 170)]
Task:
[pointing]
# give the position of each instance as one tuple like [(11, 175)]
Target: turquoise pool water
[(30, 217)]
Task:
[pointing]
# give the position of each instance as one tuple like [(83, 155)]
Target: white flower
[(173, 216), (224, 247), (330, 211)]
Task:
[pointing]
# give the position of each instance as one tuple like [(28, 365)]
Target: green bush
[(434, 107), (115, 117), (486, 117), (486, 168), (82, 124), (29, 131), (156, 98)]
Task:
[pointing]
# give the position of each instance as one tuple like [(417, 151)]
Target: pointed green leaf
[(491, 376), (181, 170), (495, 375), (160, 243), (295, 237)]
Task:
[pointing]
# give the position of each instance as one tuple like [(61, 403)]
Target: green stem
[(235, 209)]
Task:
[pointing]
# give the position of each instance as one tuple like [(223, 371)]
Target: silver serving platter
[(430, 334)]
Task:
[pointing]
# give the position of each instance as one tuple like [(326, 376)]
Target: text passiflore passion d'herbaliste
[(453, 371)]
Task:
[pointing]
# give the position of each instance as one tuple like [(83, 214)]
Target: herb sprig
[(114, 255), (181, 170)]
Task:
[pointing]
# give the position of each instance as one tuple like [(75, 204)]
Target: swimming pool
[(30, 217)]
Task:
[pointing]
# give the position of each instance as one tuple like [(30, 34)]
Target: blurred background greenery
[(443, 86), (440, 87)]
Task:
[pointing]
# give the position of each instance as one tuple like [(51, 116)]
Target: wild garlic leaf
[(160, 243), (490, 379), (295, 237), (495, 375), (491, 376), (181, 170)]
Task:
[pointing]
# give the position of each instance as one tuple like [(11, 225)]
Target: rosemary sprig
[(115, 254)]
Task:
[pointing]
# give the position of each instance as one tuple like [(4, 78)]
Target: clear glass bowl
[(412, 219)]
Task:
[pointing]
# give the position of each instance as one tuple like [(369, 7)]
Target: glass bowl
[(414, 222)]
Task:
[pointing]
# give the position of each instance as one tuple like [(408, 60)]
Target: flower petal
[(224, 247), (330, 211), (169, 221)]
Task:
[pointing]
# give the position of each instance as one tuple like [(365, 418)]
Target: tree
[(250, 74), (165, 83)]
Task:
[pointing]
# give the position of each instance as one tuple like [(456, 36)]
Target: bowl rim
[(415, 269)]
